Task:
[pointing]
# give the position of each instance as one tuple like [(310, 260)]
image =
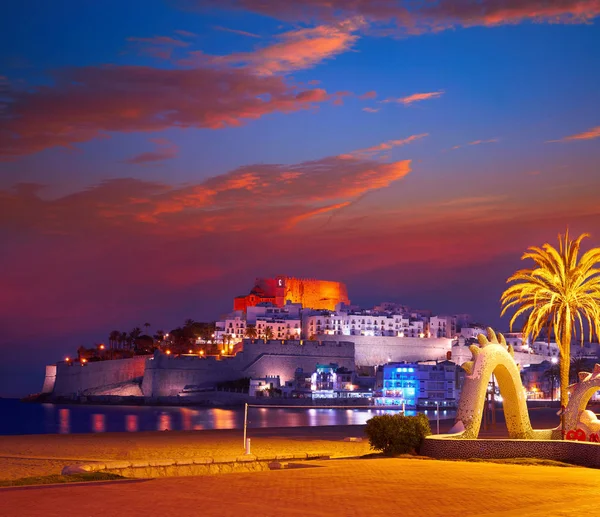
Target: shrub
[(397, 434)]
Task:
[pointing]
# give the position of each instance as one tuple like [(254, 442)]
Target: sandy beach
[(38, 455)]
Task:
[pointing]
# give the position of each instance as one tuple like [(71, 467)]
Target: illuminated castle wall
[(311, 293)]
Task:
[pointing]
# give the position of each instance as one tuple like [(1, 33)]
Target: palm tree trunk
[(565, 361)]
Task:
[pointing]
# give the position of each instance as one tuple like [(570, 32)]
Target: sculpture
[(576, 415), (493, 356)]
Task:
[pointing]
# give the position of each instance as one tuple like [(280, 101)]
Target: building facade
[(419, 384), (361, 323)]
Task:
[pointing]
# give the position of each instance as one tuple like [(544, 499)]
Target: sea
[(18, 417)]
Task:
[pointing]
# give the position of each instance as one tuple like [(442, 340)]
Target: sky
[(156, 156)]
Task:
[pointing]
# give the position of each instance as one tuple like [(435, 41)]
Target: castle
[(311, 293)]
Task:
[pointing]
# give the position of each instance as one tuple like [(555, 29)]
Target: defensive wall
[(73, 378), (373, 351), (168, 376), (164, 375), (49, 379)]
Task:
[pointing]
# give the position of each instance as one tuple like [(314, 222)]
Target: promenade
[(349, 488)]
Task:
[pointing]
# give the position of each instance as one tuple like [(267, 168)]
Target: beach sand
[(38, 455)]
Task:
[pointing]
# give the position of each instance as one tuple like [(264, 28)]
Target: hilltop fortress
[(168, 378), (285, 332), (310, 293)]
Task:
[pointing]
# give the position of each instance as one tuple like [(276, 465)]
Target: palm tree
[(159, 336), (268, 333), (123, 339), (189, 322), (250, 332), (578, 364), (113, 338), (561, 292), (147, 325), (553, 375)]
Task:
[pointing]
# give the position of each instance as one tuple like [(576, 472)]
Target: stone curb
[(72, 485), (80, 468)]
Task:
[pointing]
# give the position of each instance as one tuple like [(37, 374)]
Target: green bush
[(397, 434)]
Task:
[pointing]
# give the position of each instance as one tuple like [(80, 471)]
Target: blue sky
[(173, 151)]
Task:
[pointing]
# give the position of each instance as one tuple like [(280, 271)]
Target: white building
[(472, 331), (233, 326), (260, 387), (442, 326), (268, 310), (282, 328), (363, 323)]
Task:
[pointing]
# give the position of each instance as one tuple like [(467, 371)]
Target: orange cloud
[(249, 197), (165, 151), (476, 142), (420, 17), (586, 135), (160, 47), (235, 31), (368, 95), (415, 97), (295, 50), (89, 102), (318, 211), (384, 146)]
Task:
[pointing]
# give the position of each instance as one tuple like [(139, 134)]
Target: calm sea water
[(17, 417)]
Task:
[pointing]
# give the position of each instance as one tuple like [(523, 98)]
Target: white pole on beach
[(437, 405), (245, 422), (403, 409)]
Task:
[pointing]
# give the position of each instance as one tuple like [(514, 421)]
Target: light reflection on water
[(98, 423), (21, 418)]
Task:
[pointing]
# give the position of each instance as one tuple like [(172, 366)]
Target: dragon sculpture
[(494, 356)]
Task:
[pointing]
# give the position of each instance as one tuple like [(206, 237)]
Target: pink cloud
[(85, 103), (235, 31), (590, 134), (419, 17), (371, 110), (368, 95), (160, 47), (166, 150), (294, 50), (232, 200), (384, 146), (476, 142), (186, 34), (415, 97)]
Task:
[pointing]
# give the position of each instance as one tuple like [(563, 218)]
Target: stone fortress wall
[(49, 379), (168, 376), (318, 294), (74, 379), (372, 351), (162, 375)]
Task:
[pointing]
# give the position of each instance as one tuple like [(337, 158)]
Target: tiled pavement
[(367, 487)]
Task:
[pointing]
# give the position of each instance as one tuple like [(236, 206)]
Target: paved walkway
[(349, 488)]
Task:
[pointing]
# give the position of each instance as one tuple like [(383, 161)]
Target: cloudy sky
[(158, 155)]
